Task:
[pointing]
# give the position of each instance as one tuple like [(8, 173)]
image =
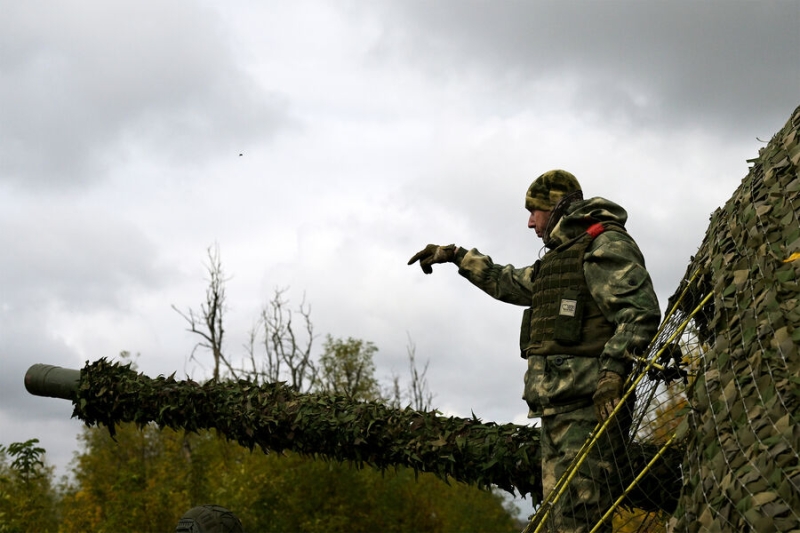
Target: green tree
[(347, 369), (147, 478), (28, 501), (137, 481)]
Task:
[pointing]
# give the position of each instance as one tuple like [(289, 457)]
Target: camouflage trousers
[(597, 482)]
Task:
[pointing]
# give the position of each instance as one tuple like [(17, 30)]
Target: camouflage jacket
[(615, 274)]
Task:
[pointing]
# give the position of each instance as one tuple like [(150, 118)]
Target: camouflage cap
[(209, 519), (546, 190)]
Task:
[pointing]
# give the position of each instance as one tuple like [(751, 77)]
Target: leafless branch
[(208, 323), (419, 394)]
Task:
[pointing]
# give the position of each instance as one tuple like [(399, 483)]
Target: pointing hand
[(434, 254)]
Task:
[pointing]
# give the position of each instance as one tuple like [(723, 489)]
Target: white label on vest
[(568, 307)]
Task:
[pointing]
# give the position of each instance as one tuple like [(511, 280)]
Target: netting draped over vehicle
[(742, 466)]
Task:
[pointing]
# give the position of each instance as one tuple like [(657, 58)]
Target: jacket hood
[(582, 214)]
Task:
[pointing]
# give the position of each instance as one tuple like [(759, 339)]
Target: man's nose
[(531, 223)]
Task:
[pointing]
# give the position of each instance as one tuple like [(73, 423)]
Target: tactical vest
[(563, 318)]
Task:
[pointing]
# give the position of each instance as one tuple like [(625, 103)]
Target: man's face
[(538, 221)]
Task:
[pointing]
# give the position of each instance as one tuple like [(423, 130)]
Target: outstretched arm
[(502, 282)]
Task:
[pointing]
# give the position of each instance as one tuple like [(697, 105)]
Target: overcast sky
[(366, 129)]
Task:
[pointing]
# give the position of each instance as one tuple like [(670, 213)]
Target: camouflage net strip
[(274, 417), (743, 439)]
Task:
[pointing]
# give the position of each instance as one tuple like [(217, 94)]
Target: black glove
[(434, 253), (608, 394)]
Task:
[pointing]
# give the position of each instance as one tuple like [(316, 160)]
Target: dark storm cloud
[(716, 64), (81, 82)]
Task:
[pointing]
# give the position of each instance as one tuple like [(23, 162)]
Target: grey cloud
[(77, 257), (23, 342), (83, 82), (68, 260), (28, 345), (719, 64)]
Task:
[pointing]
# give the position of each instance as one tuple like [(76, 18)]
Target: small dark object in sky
[(240, 155)]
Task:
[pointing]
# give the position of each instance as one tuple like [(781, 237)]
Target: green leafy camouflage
[(274, 417), (743, 432)]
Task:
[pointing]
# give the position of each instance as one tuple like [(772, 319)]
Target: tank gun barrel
[(52, 381), (276, 417)]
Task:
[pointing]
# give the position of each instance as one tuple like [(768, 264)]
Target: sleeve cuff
[(460, 253), (618, 366)]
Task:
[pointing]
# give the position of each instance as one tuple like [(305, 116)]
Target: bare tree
[(208, 322), (417, 394), (286, 356), (420, 396), (345, 367)]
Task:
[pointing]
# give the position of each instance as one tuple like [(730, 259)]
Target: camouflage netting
[(274, 417), (742, 471)]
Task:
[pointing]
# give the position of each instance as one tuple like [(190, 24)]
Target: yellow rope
[(633, 483)]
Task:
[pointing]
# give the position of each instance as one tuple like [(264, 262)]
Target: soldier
[(590, 307)]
